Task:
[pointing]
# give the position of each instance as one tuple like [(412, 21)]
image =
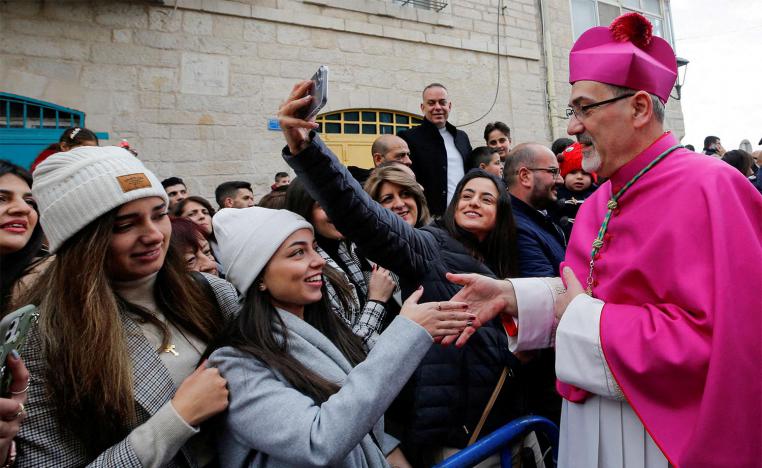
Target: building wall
[(192, 86)]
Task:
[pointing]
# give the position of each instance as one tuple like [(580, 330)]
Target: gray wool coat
[(271, 424)]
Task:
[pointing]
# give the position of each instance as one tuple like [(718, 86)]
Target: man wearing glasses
[(658, 332), (532, 176)]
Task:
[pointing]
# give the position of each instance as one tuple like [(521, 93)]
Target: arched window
[(351, 132), (27, 126)]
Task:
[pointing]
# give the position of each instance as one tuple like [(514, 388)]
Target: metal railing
[(500, 441)]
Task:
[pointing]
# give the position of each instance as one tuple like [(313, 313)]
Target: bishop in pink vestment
[(680, 277), (662, 361)]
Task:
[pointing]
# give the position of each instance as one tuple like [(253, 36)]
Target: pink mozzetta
[(607, 57), (681, 329)]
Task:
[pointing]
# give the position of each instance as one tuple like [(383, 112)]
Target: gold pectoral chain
[(612, 205)]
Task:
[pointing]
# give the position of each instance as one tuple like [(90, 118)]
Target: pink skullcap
[(625, 54)]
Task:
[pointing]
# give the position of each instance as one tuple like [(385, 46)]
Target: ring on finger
[(22, 391), (18, 413), (469, 323)]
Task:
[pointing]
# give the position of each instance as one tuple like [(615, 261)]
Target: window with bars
[(366, 122), (589, 13), (21, 112)]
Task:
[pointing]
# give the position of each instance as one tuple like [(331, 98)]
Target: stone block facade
[(192, 83)]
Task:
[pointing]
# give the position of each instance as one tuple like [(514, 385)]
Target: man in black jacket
[(438, 150)]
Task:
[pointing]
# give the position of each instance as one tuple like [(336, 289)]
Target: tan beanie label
[(132, 182)]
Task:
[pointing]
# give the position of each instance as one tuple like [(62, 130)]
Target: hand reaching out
[(446, 318), (486, 298)]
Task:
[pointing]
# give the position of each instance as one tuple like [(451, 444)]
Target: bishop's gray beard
[(592, 162)]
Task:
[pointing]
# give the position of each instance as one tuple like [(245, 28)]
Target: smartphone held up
[(319, 93)]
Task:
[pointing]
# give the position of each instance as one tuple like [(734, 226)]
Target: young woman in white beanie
[(302, 390), (122, 325), (359, 292)]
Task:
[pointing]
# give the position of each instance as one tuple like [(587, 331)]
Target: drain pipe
[(550, 86)]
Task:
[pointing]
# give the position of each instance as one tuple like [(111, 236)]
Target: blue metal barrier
[(500, 441)]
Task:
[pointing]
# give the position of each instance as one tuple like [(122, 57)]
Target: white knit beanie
[(74, 188), (248, 238)]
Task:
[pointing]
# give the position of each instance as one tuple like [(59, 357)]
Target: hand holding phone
[(14, 329), (319, 93), (296, 115)]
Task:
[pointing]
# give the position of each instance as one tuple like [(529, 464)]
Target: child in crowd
[(578, 185), (487, 159), (71, 138)]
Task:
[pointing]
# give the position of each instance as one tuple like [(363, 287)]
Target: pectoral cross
[(170, 349)]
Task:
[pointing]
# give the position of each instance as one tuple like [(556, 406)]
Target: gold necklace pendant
[(170, 349)]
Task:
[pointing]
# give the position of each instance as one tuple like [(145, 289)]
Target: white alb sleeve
[(535, 300), (579, 356)]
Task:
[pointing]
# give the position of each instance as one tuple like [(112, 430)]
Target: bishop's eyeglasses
[(580, 112)]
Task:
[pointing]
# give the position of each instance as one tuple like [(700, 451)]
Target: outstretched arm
[(383, 235), (534, 305)]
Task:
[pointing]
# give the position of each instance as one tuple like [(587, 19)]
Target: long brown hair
[(258, 326), (499, 250), (80, 314)]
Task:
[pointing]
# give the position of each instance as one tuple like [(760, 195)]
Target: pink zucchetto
[(625, 54)]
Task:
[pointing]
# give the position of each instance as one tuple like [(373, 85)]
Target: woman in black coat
[(448, 393)]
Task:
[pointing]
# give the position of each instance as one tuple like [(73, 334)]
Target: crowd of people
[(393, 316)]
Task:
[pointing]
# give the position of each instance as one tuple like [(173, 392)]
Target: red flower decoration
[(632, 27)]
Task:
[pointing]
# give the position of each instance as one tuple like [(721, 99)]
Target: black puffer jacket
[(446, 396)]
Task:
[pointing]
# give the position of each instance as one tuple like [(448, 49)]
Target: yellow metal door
[(350, 133), (352, 150)]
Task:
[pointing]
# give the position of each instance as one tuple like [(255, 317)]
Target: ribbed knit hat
[(570, 160), (76, 187), (248, 237)]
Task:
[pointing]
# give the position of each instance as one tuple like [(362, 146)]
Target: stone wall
[(192, 85)]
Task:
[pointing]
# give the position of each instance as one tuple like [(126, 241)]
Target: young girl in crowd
[(448, 394), (578, 185), (358, 291), (71, 138), (20, 234), (122, 324), (302, 391), (188, 239)]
